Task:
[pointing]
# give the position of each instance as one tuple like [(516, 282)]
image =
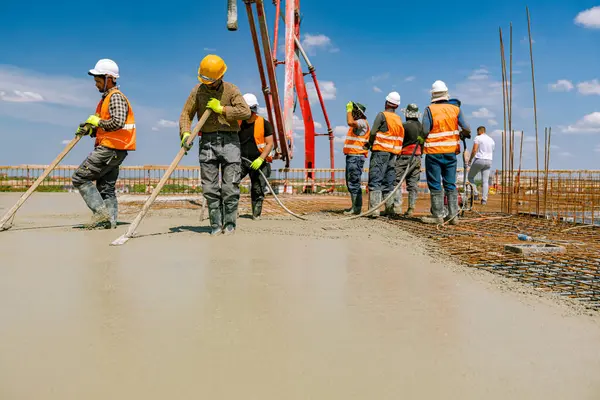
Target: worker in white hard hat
[(441, 122), (385, 142), (220, 158), (113, 126), (256, 141)]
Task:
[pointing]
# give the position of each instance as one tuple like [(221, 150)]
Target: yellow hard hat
[(212, 68)]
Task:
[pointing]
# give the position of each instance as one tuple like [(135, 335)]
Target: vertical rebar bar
[(537, 162), (503, 69)]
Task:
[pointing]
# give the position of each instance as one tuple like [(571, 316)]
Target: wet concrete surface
[(281, 310)]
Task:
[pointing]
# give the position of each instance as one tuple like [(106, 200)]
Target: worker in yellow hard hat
[(219, 143)]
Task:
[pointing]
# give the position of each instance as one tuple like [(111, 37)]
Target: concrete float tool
[(4, 222), (138, 219)]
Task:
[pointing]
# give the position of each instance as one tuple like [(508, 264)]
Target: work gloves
[(215, 105), (184, 138), (84, 130), (350, 107), (464, 135), (420, 139), (256, 164), (93, 120)]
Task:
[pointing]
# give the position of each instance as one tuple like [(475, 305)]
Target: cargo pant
[(102, 166), (382, 172), (413, 176), (220, 152), (257, 182), (354, 170)]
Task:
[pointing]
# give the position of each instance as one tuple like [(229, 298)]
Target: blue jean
[(382, 172), (438, 167), (354, 169)]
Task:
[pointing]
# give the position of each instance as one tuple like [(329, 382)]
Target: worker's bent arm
[(350, 120), (190, 109), (118, 109), (238, 110), (426, 122), (377, 125), (269, 146), (475, 148)]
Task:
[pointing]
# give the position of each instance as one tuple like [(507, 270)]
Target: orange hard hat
[(212, 68)]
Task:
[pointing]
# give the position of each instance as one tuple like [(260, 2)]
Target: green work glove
[(93, 120), (256, 164), (215, 105), (420, 139), (349, 107), (83, 130), (184, 138)]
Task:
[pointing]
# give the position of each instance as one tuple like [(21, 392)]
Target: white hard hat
[(394, 98), (439, 86), (105, 67), (251, 100)]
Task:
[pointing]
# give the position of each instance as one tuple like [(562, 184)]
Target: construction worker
[(354, 149), (113, 126), (219, 143), (256, 140), (413, 139), (441, 122), (385, 142)]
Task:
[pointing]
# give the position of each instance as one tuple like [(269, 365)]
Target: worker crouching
[(256, 140), (356, 153), (385, 142), (441, 122), (219, 142), (113, 126)]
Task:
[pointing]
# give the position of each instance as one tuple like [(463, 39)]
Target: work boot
[(229, 229), (216, 221), (113, 210), (94, 201), (437, 208), (412, 201), (390, 210), (358, 203), (350, 210), (398, 202), (374, 200), (453, 211), (257, 209)]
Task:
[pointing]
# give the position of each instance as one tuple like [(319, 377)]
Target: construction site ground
[(290, 309)]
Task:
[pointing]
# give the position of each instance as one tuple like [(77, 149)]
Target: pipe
[(276, 33)]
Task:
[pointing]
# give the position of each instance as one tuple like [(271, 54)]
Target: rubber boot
[(412, 201), (358, 203), (113, 210), (257, 209), (374, 200), (350, 210), (216, 220), (94, 201), (389, 205), (437, 208), (398, 202), (452, 217)]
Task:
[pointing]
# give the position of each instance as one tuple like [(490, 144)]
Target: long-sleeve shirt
[(235, 108), (118, 110), (412, 130), (428, 120), (380, 125)]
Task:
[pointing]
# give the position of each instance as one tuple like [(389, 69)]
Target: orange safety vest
[(354, 144), (444, 136), (390, 141), (259, 136), (122, 139)]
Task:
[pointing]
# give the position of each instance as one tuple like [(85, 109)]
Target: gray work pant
[(412, 177), (102, 166), (221, 151), (382, 172), (483, 166)]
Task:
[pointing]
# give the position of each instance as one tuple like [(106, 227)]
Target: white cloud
[(16, 96), (483, 113), (562, 85), (311, 43), (589, 87), (565, 154), (164, 124), (380, 77), (328, 91), (66, 141), (376, 89), (589, 18), (588, 124), (496, 133), (410, 78), (479, 89), (492, 122), (339, 133), (298, 124)]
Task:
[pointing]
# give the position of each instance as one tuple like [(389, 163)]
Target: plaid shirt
[(118, 112)]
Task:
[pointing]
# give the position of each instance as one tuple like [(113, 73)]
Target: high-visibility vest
[(259, 136), (122, 139), (354, 144), (444, 135), (390, 141)]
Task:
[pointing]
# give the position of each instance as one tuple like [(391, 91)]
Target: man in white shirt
[(481, 161)]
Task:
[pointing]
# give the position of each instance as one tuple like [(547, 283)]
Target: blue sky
[(361, 54)]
